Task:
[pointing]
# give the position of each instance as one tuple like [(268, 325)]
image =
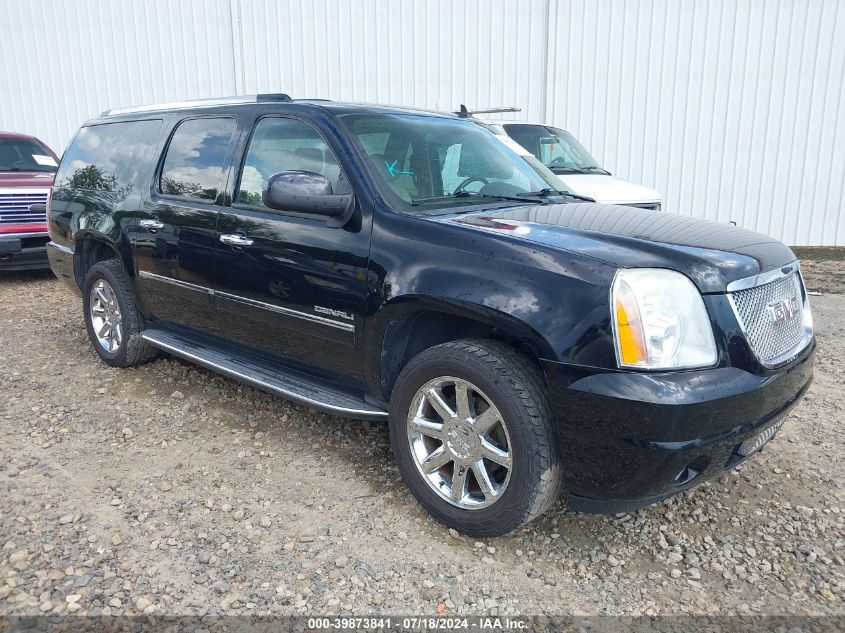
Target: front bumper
[(23, 251), (631, 438)]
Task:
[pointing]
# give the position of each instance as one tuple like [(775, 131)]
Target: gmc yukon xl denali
[(392, 264)]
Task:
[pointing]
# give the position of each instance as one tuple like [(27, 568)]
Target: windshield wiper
[(548, 191), (467, 194), (595, 168)]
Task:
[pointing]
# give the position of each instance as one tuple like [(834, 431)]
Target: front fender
[(390, 329)]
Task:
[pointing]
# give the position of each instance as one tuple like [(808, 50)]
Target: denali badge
[(336, 313), (784, 310)]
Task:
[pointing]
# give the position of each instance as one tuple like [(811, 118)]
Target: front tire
[(474, 436), (111, 317)]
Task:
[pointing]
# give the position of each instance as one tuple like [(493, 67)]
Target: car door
[(289, 284), (175, 235)]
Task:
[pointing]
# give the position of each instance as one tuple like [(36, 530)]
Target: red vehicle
[(27, 167)]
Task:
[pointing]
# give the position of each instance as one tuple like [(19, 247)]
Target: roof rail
[(465, 113), (273, 96), (201, 103)]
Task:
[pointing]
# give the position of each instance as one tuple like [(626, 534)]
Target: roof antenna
[(464, 113)]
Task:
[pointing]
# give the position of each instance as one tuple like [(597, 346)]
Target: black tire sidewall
[(97, 272), (515, 505)]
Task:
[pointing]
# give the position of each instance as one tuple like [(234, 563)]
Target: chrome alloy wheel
[(459, 443), (106, 320)]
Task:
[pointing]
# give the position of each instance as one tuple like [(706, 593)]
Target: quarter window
[(107, 157), (283, 144), (195, 158)]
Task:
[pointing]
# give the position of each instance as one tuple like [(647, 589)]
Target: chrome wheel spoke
[(486, 421), (104, 330), (459, 483), (495, 454), (483, 479), (462, 400), (435, 399), (427, 427), (436, 460)]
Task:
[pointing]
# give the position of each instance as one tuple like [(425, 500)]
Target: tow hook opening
[(692, 470)]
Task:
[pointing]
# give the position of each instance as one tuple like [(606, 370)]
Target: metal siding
[(67, 61), (426, 54), (732, 109)]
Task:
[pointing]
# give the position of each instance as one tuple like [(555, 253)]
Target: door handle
[(151, 224), (233, 239)]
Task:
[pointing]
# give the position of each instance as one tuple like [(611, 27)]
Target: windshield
[(423, 162), (24, 154), (557, 149)]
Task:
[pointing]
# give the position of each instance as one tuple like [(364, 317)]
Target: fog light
[(756, 443)]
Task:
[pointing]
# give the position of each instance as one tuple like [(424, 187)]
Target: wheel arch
[(91, 247), (407, 325)]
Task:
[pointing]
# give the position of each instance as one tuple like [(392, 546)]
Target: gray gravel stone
[(232, 501)]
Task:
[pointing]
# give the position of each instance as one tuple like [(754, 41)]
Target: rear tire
[(480, 477), (111, 317)]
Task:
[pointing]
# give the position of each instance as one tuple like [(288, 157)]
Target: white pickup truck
[(581, 174)]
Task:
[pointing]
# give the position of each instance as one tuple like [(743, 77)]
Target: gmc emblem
[(784, 310)]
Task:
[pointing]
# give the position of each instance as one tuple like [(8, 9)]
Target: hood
[(25, 179), (709, 253), (608, 189)]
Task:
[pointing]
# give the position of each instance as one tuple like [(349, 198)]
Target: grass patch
[(820, 253)]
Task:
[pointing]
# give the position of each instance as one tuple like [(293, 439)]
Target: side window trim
[(342, 177), (155, 187)]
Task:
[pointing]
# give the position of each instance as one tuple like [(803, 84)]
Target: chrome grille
[(14, 206), (772, 336)]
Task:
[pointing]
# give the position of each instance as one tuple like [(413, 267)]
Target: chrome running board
[(276, 379)]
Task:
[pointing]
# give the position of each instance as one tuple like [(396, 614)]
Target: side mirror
[(307, 192)]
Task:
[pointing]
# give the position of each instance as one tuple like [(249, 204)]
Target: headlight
[(659, 321)]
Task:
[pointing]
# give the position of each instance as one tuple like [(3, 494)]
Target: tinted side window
[(107, 157), (195, 156), (280, 144)]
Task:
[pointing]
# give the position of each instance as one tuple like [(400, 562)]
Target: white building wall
[(733, 109)]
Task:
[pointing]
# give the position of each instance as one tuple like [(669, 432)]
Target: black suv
[(392, 264)]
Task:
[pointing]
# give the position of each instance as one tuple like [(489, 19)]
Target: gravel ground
[(169, 490)]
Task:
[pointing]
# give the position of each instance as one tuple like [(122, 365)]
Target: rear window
[(195, 158), (108, 156), (25, 154)]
